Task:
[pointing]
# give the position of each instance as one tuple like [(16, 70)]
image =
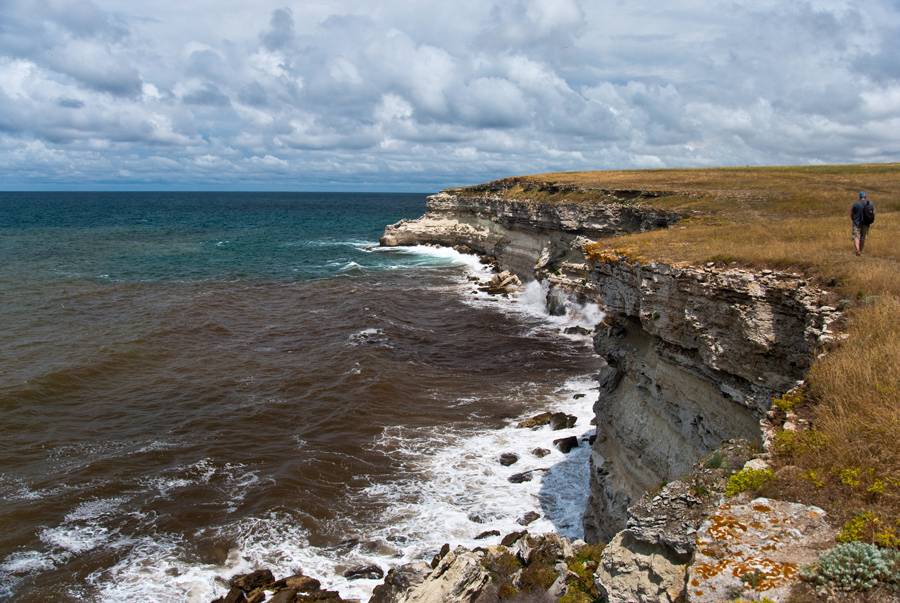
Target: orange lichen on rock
[(738, 550)]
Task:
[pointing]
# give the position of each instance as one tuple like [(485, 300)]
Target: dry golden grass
[(819, 247), (798, 219), (851, 464)]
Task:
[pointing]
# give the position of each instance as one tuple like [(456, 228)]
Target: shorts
[(859, 232)]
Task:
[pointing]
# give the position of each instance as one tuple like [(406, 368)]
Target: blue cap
[(862, 195)]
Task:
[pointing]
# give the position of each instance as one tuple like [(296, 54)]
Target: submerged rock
[(369, 572)]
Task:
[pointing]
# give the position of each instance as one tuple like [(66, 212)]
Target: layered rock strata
[(694, 355), (523, 235)]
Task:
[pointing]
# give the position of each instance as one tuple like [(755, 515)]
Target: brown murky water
[(159, 436)]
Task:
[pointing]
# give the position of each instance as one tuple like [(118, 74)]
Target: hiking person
[(863, 214)]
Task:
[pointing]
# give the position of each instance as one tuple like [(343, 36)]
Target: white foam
[(426, 255), (27, 561), (532, 302), (75, 538)]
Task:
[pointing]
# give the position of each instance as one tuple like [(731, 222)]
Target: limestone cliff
[(694, 355)]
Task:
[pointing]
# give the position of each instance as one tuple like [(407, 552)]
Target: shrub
[(748, 479), (788, 401), (537, 576), (716, 461), (857, 528), (854, 566)]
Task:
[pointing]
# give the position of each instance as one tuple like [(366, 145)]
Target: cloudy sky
[(403, 95)]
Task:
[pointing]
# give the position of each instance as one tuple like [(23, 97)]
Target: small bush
[(854, 566), (537, 576), (716, 461), (580, 582), (748, 479), (507, 591), (788, 401)]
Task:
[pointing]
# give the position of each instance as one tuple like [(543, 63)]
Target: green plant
[(748, 479), (788, 401), (854, 566), (753, 578), (580, 586), (716, 461), (537, 576), (507, 591), (856, 528), (789, 443), (655, 316)]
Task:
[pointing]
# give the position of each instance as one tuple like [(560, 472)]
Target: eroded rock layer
[(694, 355)]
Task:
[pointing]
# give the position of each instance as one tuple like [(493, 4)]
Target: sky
[(396, 95)]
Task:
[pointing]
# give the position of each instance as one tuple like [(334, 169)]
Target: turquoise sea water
[(193, 385)]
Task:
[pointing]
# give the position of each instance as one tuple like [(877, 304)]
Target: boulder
[(487, 534), (540, 452), (235, 595), (755, 550), (440, 555), (258, 579), (536, 421), (288, 595), (257, 595), (511, 538), (529, 518), (632, 571), (300, 583), (400, 581), (565, 445), (518, 478), (508, 458), (459, 578), (561, 420)]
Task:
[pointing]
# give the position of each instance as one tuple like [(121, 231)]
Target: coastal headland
[(749, 403), (722, 289)]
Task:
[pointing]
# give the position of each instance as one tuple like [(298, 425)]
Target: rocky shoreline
[(693, 358)]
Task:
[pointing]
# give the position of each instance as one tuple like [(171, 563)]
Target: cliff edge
[(694, 354)]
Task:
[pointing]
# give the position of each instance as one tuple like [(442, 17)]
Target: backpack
[(868, 213)]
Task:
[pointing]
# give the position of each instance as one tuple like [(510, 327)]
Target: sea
[(197, 385)]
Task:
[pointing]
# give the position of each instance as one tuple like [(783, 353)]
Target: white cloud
[(452, 93)]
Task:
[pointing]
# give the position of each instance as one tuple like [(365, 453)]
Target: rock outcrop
[(755, 550), (694, 356), (521, 234)]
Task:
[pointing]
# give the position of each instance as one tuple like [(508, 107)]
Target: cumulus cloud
[(225, 93)]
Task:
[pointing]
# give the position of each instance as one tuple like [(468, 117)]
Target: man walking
[(861, 220)]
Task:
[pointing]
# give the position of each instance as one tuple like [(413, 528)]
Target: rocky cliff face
[(523, 235), (694, 355)]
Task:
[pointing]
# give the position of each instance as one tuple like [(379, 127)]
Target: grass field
[(795, 219)]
